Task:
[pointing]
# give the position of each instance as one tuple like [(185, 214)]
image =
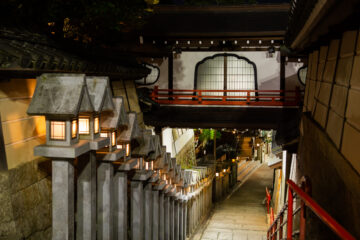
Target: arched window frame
[(298, 74), (227, 55), (147, 84)]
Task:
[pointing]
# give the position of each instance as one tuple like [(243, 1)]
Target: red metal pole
[(290, 215), (275, 232)]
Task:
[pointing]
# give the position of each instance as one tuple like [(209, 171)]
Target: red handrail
[(306, 201), (249, 97)]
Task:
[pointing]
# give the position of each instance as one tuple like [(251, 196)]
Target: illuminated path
[(243, 215)]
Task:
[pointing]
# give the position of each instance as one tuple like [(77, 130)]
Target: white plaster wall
[(291, 70), (168, 140), (268, 69), (175, 147)]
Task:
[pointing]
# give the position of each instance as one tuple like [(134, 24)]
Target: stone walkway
[(242, 216)]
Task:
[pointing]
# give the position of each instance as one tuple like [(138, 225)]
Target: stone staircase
[(245, 168)]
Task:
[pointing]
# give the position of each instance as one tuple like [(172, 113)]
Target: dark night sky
[(181, 2)]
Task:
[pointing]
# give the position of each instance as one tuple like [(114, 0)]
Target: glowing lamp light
[(258, 145), (233, 160), (128, 149), (84, 127), (74, 128), (119, 146), (113, 138), (96, 125), (217, 174), (57, 130), (224, 170)]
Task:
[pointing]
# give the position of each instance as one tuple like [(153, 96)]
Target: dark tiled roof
[(34, 53)]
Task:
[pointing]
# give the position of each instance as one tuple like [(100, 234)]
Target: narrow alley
[(243, 215)]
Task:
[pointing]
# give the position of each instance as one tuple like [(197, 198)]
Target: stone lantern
[(141, 201), (62, 98), (112, 124), (126, 137)]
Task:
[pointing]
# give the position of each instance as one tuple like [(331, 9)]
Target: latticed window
[(57, 130), (225, 72)]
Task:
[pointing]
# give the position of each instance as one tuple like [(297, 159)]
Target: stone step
[(247, 170)]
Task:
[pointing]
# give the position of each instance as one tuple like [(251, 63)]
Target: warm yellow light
[(104, 134), (57, 130), (224, 170), (73, 128), (119, 146), (96, 125), (233, 160), (147, 166), (152, 165), (84, 127), (113, 138), (127, 149)]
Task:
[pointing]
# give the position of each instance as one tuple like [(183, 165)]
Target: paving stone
[(242, 216)]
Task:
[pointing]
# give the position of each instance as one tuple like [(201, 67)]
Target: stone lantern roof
[(60, 96), (145, 147), (100, 93), (133, 130), (157, 147), (116, 118), (159, 164)]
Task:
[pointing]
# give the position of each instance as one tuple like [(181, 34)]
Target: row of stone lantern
[(99, 148)]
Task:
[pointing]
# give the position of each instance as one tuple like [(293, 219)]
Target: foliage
[(83, 20), (208, 134)]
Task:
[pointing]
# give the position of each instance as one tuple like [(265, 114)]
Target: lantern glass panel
[(96, 125), (127, 149), (74, 128), (57, 130), (113, 138), (84, 125)]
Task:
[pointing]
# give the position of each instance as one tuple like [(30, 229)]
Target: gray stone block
[(105, 174), (120, 206), (63, 200), (86, 199), (137, 210)]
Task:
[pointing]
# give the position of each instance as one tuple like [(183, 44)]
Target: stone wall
[(25, 201), (186, 157), (330, 133), (127, 90)]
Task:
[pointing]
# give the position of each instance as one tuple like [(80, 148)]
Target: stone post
[(104, 201), (120, 206), (185, 217), (137, 210), (176, 219), (181, 221), (86, 197), (161, 216), (172, 218), (63, 199), (167, 217), (148, 208), (155, 214)]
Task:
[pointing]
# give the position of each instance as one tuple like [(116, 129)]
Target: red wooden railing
[(276, 227), (227, 97)]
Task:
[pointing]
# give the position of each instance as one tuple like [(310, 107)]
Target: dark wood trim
[(3, 161), (282, 74), (170, 71)]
